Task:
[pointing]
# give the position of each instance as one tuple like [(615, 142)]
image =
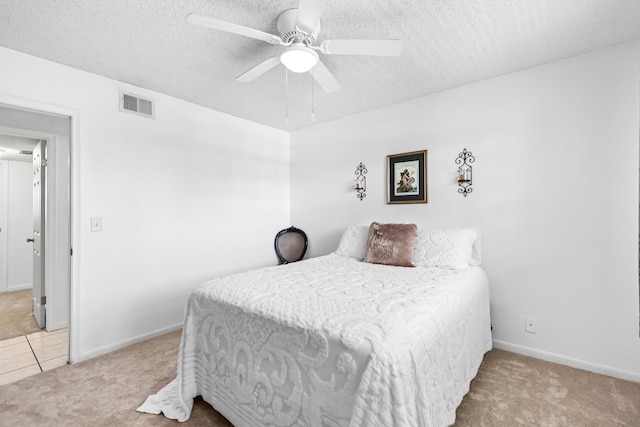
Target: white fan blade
[(362, 47), (309, 13), (325, 79), (217, 24), (259, 69)]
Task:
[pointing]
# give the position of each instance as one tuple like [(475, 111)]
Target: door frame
[(74, 208)]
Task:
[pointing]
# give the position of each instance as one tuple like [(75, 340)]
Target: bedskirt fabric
[(331, 341)]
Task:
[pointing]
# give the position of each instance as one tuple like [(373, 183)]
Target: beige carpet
[(510, 390), (15, 314)]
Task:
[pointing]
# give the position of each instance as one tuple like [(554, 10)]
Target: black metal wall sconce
[(360, 183), (464, 161)]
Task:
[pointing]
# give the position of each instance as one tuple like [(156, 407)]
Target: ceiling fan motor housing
[(286, 24)]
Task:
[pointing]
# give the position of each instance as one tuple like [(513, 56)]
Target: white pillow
[(353, 243), (446, 248), (476, 251)]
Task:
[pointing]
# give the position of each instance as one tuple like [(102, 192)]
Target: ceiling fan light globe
[(299, 58)]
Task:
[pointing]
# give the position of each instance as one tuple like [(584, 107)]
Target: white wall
[(4, 178), (555, 192), (19, 225), (186, 197), (16, 181)]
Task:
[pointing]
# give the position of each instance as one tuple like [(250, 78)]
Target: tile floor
[(31, 354)]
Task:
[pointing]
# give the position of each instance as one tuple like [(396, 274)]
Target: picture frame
[(407, 177)]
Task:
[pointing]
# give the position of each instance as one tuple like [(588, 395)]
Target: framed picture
[(407, 177)]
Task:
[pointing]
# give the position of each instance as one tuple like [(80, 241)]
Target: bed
[(337, 341)]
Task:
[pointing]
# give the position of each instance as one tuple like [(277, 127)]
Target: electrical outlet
[(530, 325), (96, 223)]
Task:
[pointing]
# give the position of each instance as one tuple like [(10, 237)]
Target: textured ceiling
[(447, 43)]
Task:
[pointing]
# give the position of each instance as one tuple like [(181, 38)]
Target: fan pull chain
[(286, 96), (313, 99)]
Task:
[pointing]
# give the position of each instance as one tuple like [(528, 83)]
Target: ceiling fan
[(299, 29)]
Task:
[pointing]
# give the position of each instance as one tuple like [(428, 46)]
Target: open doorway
[(49, 234), (16, 230)]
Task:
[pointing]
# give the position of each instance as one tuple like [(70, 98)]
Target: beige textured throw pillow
[(391, 244)]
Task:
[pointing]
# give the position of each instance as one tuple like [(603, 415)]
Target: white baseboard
[(109, 348), (567, 361), (21, 287)]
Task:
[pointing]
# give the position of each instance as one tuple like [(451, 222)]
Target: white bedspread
[(331, 341)]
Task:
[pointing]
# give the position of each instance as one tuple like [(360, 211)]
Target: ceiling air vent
[(137, 105), (29, 153)]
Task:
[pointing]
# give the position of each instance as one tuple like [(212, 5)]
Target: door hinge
[(44, 163), (71, 252), (43, 300)]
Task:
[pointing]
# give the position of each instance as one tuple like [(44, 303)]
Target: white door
[(39, 199)]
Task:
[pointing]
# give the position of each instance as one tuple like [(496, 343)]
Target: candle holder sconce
[(464, 161), (360, 183)]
